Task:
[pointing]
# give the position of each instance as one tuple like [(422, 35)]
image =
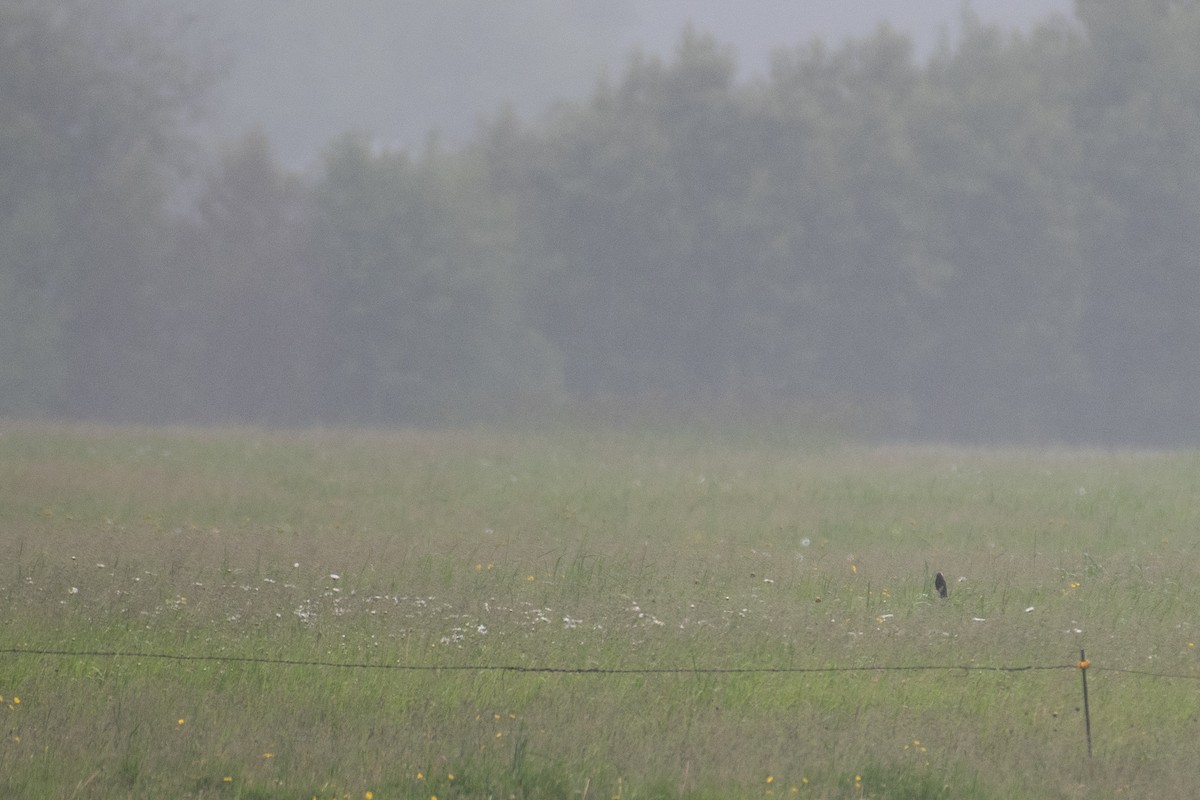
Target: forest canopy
[(996, 243)]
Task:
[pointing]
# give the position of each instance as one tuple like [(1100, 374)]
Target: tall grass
[(483, 548)]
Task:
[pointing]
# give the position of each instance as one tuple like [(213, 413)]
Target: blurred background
[(308, 71), (945, 221)]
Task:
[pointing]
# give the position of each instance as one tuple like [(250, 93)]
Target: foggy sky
[(306, 71)]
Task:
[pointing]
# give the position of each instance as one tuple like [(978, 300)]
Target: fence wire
[(567, 670), (525, 668)]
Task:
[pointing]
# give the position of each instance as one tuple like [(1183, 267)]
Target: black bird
[(939, 583)]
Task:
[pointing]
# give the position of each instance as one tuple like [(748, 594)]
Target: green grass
[(589, 550)]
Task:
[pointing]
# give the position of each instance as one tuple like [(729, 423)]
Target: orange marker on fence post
[(1087, 716)]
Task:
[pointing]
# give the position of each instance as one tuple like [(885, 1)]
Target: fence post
[(1087, 714)]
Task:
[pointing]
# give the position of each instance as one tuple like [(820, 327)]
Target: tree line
[(997, 243)]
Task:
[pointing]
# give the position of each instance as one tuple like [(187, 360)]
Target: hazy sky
[(308, 70)]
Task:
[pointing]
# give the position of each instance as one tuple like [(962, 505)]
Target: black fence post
[(1087, 714)]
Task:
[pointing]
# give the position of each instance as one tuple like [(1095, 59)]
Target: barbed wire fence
[(1082, 665), (380, 665)]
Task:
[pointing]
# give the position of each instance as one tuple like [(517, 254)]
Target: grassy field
[(575, 550)]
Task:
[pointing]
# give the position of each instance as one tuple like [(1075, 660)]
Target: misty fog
[(306, 72), (973, 227)]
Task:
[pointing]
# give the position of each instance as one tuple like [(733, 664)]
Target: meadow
[(482, 613)]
